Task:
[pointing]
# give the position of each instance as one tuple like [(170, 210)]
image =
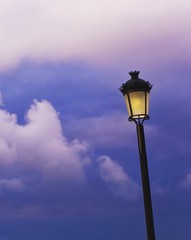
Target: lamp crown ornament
[(134, 75)]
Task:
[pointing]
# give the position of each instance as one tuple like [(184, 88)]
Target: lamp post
[(136, 92)]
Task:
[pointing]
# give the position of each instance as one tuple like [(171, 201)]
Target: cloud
[(111, 130), (50, 172), (118, 181), (90, 30), (39, 148), (106, 131)]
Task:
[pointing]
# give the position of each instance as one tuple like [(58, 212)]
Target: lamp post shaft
[(145, 183)]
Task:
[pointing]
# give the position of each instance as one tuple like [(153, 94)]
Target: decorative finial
[(134, 75)]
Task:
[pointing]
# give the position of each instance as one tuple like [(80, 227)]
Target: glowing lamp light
[(136, 92)]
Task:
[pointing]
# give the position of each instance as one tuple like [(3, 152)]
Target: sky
[(69, 163)]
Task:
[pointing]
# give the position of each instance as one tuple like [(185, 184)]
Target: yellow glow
[(137, 101)]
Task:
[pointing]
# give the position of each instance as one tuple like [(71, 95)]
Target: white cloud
[(64, 29), (118, 181), (40, 147), (39, 151)]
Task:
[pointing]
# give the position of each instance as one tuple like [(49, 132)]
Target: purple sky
[(69, 164)]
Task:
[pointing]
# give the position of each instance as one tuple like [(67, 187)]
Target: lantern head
[(136, 92)]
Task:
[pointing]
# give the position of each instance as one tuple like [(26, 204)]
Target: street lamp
[(136, 92)]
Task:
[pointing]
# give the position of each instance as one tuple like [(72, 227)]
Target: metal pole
[(145, 183)]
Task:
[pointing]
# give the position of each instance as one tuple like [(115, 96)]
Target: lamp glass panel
[(127, 104), (139, 103), (147, 103)]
